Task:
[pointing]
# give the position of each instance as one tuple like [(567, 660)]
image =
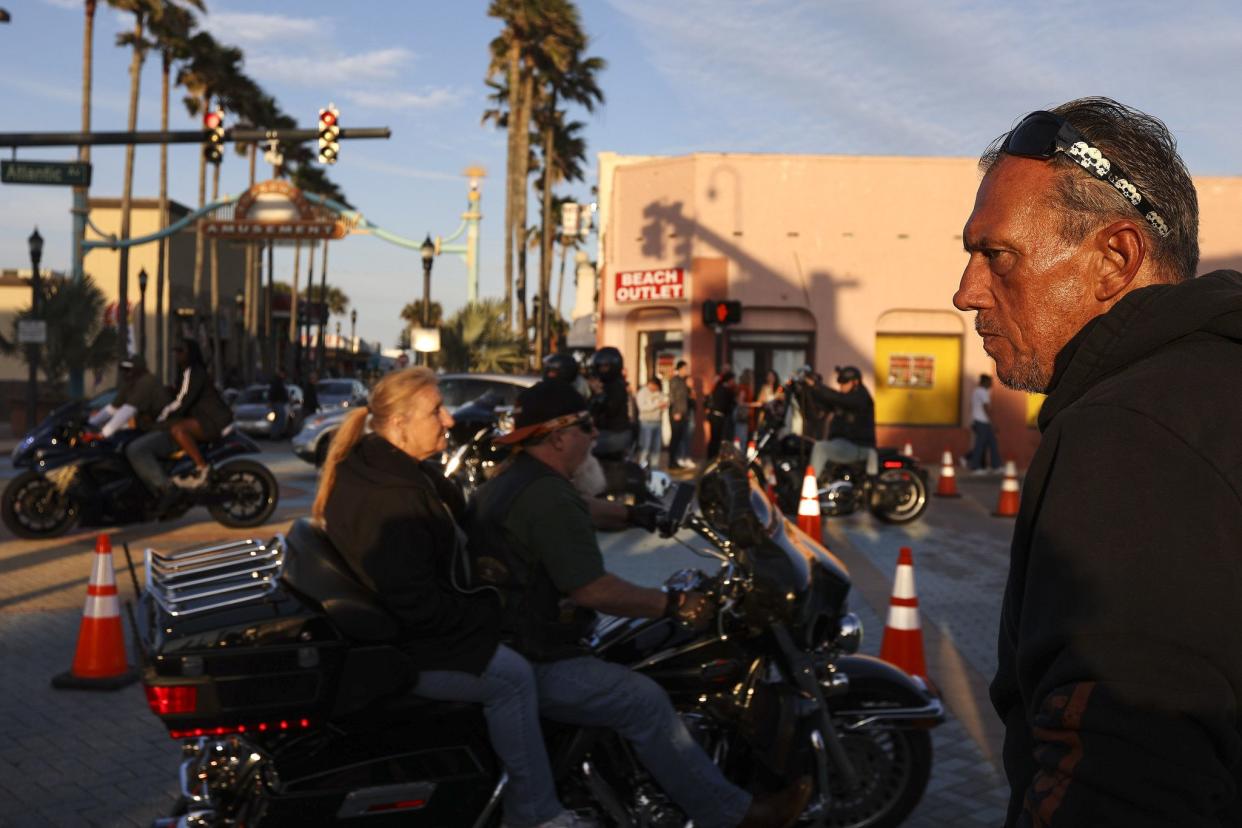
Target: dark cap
[(544, 407), (848, 373), (134, 361)]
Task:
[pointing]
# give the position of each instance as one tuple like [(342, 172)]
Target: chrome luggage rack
[(200, 578)]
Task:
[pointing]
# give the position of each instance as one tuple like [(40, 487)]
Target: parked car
[(340, 393), (254, 415), (472, 396)]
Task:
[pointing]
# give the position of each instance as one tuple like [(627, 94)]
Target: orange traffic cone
[(903, 637), (908, 450), (751, 451), (947, 485), (808, 507), (99, 663), (1010, 493)]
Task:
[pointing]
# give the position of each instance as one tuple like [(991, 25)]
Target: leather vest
[(534, 619)]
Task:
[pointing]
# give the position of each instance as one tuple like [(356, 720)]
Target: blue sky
[(875, 77)]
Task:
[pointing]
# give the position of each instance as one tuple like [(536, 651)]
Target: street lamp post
[(142, 312), (36, 293), (429, 253), (353, 329)]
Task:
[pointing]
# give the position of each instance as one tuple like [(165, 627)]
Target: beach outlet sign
[(666, 285)]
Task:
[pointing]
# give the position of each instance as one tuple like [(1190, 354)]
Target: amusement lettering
[(664, 285)]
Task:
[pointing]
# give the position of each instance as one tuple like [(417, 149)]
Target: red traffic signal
[(213, 119), (723, 312), (327, 117)]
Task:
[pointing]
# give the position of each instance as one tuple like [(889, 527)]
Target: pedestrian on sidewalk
[(981, 424), (680, 412), (1119, 672), (652, 403)]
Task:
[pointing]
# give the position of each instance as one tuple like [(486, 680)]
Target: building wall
[(846, 249)]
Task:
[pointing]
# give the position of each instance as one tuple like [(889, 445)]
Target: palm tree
[(338, 300), (478, 338), (537, 33), (412, 314), (77, 338), (138, 43), (172, 34)]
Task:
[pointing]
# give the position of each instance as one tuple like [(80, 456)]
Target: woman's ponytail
[(343, 442)]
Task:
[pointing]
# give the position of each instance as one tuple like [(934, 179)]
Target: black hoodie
[(1120, 649)]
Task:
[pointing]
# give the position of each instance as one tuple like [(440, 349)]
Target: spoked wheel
[(248, 493), (893, 767), (900, 496), (34, 507)]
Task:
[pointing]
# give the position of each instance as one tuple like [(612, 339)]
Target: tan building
[(837, 260), (103, 266)]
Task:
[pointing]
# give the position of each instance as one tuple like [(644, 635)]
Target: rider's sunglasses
[(1043, 134)]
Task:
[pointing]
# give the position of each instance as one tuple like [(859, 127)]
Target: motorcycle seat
[(208, 446), (314, 568)]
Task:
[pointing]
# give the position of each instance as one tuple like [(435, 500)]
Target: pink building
[(836, 260)]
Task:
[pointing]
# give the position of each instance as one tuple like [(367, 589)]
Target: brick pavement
[(80, 758)]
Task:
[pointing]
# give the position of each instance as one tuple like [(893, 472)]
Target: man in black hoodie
[(1120, 648)]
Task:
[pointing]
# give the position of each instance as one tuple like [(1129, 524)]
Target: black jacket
[(1120, 649), (197, 397), (610, 408), (395, 524), (853, 414)]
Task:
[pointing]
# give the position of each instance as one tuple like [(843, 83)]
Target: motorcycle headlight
[(849, 634), (271, 416)]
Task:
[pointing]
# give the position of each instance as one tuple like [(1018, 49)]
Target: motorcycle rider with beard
[(551, 576)]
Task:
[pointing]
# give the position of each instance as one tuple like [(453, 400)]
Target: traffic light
[(329, 132), (213, 122), (725, 312)]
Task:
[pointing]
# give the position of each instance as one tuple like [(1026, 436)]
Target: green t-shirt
[(550, 523)]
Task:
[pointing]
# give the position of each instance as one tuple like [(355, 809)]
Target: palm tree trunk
[(217, 355), (249, 288), (122, 300), (560, 282), (198, 235), (519, 200), (293, 369), (545, 250), (162, 252), (510, 178), (304, 331), (323, 316)]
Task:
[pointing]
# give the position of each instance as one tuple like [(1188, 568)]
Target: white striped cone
[(903, 636), (99, 661), (751, 451), (1010, 493), (947, 485), (908, 449), (809, 520)]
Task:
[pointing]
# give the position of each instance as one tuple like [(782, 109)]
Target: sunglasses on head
[(1042, 135)]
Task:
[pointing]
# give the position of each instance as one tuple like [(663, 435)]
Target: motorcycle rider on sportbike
[(551, 576), (140, 399)]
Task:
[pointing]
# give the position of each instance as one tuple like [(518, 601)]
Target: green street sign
[(64, 173)]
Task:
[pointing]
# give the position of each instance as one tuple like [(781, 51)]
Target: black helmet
[(606, 363), (560, 366), (848, 373)]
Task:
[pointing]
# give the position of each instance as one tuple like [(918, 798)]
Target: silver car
[(340, 393), (254, 415)]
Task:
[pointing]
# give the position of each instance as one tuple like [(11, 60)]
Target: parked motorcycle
[(275, 667), (74, 476), (897, 493)]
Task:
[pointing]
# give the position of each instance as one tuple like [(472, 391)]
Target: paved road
[(79, 758)]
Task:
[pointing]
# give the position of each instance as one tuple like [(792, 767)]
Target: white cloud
[(72, 5), (387, 99), (305, 70), (100, 99), (251, 27)]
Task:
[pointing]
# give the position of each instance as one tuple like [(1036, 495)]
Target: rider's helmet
[(848, 373), (802, 373), (606, 363), (560, 366)]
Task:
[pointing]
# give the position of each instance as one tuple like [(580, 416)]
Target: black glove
[(644, 515)]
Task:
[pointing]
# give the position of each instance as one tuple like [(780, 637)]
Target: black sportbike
[(73, 476), (276, 669)]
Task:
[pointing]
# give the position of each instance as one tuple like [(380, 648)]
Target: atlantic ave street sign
[(65, 173)]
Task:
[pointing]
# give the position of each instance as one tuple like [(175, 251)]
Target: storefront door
[(660, 352)]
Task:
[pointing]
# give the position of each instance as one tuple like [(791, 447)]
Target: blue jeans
[(506, 690), (593, 693), (985, 444), (650, 442), (145, 453)]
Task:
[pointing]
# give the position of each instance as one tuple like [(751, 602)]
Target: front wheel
[(900, 496), (893, 767), (35, 507), (248, 491)]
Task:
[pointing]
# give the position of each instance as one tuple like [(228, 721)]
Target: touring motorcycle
[(277, 670), (74, 476)]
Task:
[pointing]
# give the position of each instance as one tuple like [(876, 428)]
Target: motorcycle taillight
[(168, 700)]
